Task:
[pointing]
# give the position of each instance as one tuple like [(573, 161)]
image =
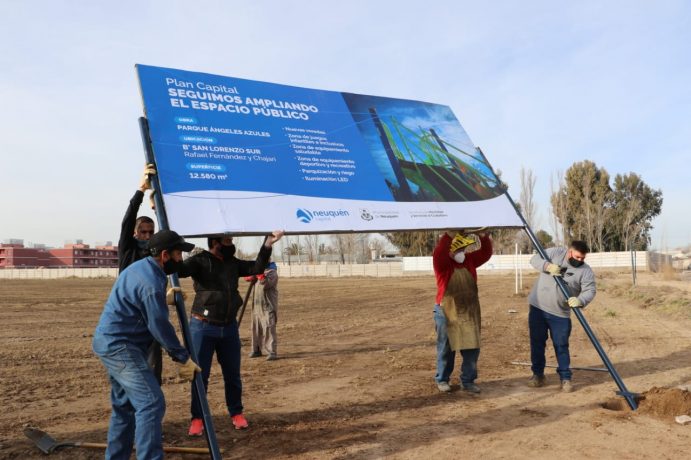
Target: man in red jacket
[(457, 307)]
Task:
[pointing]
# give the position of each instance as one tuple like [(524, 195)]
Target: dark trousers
[(541, 323), (225, 342)]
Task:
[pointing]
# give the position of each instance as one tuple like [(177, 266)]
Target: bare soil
[(355, 375)]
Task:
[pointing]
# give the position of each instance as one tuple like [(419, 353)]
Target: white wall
[(409, 266)]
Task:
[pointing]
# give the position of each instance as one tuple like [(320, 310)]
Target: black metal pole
[(404, 189), (198, 389), (623, 391)]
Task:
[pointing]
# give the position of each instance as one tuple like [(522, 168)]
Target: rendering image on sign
[(247, 157)]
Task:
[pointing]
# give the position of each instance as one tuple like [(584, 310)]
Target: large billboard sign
[(247, 157)]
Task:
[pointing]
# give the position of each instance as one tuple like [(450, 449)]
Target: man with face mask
[(457, 308), (213, 322), (135, 231), (549, 311), (132, 246), (135, 315)]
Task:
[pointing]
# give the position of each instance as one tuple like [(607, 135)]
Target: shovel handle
[(174, 449)]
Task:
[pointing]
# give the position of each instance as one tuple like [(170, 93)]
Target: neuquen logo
[(306, 216), (365, 214)]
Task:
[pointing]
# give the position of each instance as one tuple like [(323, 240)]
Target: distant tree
[(585, 200), (526, 199), (635, 204), (527, 206), (544, 238), (504, 240), (607, 219), (412, 244), (557, 207)]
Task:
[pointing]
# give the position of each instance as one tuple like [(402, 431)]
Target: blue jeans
[(540, 322), (138, 404), (446, 356), (225, 341)]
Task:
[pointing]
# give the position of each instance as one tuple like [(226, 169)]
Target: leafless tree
[(527, 197), (528, 207), (557, 208)]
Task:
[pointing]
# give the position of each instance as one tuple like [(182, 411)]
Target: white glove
[(170, 295), (575, 302), (187, 369), (553, 269)]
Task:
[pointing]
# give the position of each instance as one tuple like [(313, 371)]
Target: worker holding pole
[(133, 246), (135, 315), (550, 311)]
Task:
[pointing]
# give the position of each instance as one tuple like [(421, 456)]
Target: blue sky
[(538, 84)]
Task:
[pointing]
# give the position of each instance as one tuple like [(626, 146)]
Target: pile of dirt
[(665, 402)]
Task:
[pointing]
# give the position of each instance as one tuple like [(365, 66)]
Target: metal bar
[(198, 390), (404, 189), (623, 391), (552, 366)]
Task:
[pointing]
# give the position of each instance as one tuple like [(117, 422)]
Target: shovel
[(48, 445)]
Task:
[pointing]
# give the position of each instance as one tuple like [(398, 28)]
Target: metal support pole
[(623, 391), (515, 268), (197, 384)]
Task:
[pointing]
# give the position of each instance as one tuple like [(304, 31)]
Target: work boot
[(471, 388), (239, 422), (255, 354), (566, 386), (196, 427), (536, 381), (444, 387), (272, 357)]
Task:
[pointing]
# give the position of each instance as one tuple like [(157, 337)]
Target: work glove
[(149, 170), (187, 369), (575, 302), (553, 269), (170, 295)]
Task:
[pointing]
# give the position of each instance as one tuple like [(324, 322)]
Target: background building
[(14, 254)]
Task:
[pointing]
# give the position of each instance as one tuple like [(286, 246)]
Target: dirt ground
[(355, 375)]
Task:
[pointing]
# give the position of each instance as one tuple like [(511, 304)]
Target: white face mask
[(459, 257)]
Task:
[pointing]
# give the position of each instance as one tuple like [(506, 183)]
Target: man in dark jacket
[(135, 233), (213, 322)]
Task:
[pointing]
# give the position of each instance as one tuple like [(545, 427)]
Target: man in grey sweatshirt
[(550, 311)]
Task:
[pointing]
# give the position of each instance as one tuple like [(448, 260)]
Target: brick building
[(13, 254)]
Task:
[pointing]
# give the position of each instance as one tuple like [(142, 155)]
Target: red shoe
[(239, 422), (196, 428)]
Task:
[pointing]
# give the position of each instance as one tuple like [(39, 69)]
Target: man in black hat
[(134, 315)]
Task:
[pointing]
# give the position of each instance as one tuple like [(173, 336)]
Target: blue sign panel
[(233, 141)]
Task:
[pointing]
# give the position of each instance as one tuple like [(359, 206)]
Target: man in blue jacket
[(135, 315), (132, 246)]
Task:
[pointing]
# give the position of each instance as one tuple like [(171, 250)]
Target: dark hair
[(580, 246), (143, 220), (210, 240)]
